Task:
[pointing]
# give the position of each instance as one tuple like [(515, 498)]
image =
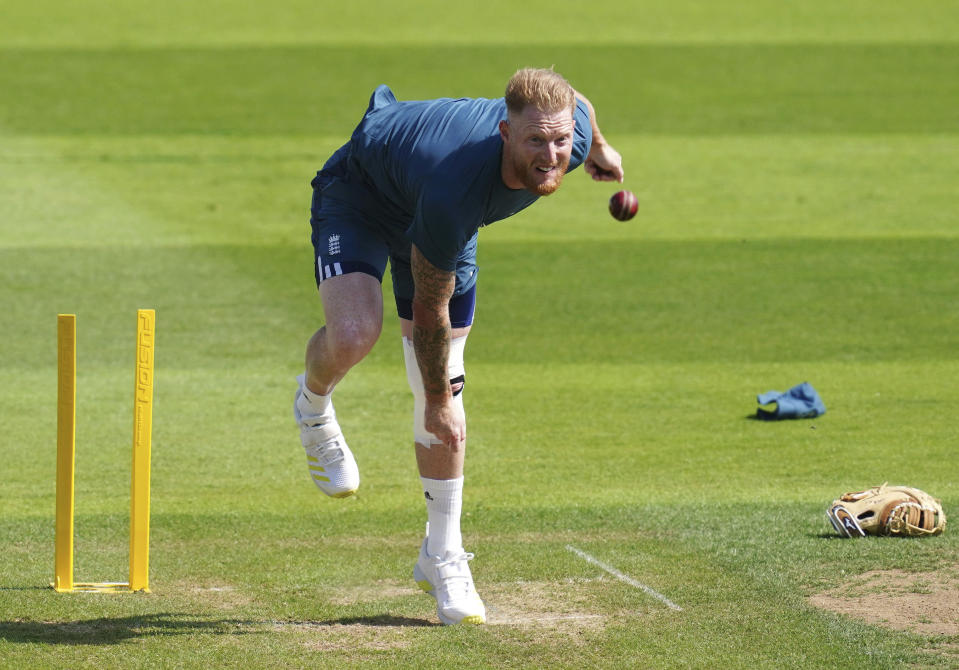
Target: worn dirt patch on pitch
[(571, 603), (926, 603), (566, 609)]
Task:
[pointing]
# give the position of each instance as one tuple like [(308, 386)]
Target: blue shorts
[(346, 240)]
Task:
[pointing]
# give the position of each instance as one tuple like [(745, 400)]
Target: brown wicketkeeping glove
[(887, 510)]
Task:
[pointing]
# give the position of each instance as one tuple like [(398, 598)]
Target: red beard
[(530, 176)]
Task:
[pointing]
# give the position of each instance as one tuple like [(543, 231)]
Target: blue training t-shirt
[(431, 170)]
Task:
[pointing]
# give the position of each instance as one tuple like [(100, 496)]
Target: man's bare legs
[(353, 305)]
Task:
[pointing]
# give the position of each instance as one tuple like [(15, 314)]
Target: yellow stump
[(140, 474), (139, 579), (66, 441)]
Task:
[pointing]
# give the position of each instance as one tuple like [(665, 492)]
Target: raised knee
[(351, 340)]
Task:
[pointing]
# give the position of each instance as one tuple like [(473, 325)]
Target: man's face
[(536, 149)]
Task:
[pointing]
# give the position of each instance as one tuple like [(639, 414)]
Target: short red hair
[(546, 90)]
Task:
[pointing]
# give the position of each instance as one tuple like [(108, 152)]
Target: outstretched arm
[(433, 289), (603, 162)]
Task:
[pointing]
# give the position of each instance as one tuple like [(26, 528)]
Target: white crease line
[(625, 578)]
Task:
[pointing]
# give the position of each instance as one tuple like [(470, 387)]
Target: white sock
[(444, 504), (316, 403)]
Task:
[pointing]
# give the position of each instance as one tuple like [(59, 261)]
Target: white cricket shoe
[(330, 461), (450, 582)]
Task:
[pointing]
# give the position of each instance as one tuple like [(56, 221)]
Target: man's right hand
[(604, 163), (446, 420)]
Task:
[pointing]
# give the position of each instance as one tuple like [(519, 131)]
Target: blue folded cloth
[(799, 402)]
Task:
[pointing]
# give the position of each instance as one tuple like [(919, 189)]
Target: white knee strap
[(456, 368)]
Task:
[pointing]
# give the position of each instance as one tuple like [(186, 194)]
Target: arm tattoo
[(433, 289)]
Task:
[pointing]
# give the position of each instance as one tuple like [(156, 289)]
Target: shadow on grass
[(108, 630), (379, 620), (772, 419)]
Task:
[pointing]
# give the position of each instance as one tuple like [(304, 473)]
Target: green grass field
[(797, 168)]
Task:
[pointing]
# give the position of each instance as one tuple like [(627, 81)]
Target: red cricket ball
[(623, 205)]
